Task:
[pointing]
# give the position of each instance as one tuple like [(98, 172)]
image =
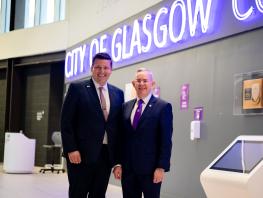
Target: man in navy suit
[(146, 140), (90, 122)]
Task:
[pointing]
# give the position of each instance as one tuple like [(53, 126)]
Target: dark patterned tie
[(137, 114), (103, 104)]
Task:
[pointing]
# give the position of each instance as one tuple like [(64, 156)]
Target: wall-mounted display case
[(248, 93)]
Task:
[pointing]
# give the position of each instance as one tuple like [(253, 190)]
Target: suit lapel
[(130, 106), (93, 96), (128, 111), (147, 109), (112, 95)]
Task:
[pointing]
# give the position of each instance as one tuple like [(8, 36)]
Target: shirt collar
[(146, 99), (97, 85)]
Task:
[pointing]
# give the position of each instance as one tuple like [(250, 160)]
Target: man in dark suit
[(147, 140), (90, 122)]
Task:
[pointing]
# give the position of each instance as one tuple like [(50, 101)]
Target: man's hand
[(158, 175), (117, 171), (74, 157)]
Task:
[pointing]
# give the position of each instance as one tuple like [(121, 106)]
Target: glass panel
[(59, 12), (4, 15), (30, 8), (1, 25), (50, 10), (37, 12), (62, 9), (7, 15), (47, 11)]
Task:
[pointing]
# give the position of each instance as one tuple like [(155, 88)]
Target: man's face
[(101, 71), (143, 84)]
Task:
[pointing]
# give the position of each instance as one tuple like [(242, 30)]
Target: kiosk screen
[(242, 157)]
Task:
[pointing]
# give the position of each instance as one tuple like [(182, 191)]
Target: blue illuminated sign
[(165, 28), (244, 11)]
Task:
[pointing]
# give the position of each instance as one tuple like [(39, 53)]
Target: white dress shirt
[(144, 104), (105, 92)]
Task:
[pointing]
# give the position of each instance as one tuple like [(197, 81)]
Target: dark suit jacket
[(83, 124), (149, 146)]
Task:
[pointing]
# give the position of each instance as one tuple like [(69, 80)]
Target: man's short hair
[(102, 56), (142, 69)]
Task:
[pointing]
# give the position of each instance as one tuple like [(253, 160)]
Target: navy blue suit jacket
[(149, 146), (83, 124)]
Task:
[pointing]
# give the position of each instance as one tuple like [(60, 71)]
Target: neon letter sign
[(159, 32), (239, 15), (147, 33), (177, 3), (199, 9), (259, 5), (163, 28), (136, 39), (116, 56)]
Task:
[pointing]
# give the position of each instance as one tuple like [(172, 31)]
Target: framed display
[(252, 94), (248, 93)]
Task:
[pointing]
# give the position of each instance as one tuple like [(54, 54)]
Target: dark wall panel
[(55, 104), (36, 108), (56, 96), (31, 94), (2, 111)]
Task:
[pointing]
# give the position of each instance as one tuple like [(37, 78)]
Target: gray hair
[(142, 69)]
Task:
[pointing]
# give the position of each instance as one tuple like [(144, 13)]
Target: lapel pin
[(150, 105), (87, 86)]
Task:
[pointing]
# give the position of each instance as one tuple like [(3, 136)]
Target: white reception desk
[(237, 171), (19, 153)]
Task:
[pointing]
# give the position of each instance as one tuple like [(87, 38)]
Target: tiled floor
[(38, 185)]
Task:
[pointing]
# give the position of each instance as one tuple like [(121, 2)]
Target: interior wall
[(84, 18), (209, 69), (32, 41), (88, 17)]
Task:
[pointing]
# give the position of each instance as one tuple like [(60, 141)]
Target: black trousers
[(134, 185), (90, 179)]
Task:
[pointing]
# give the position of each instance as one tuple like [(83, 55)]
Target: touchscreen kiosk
[(237, 171)]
